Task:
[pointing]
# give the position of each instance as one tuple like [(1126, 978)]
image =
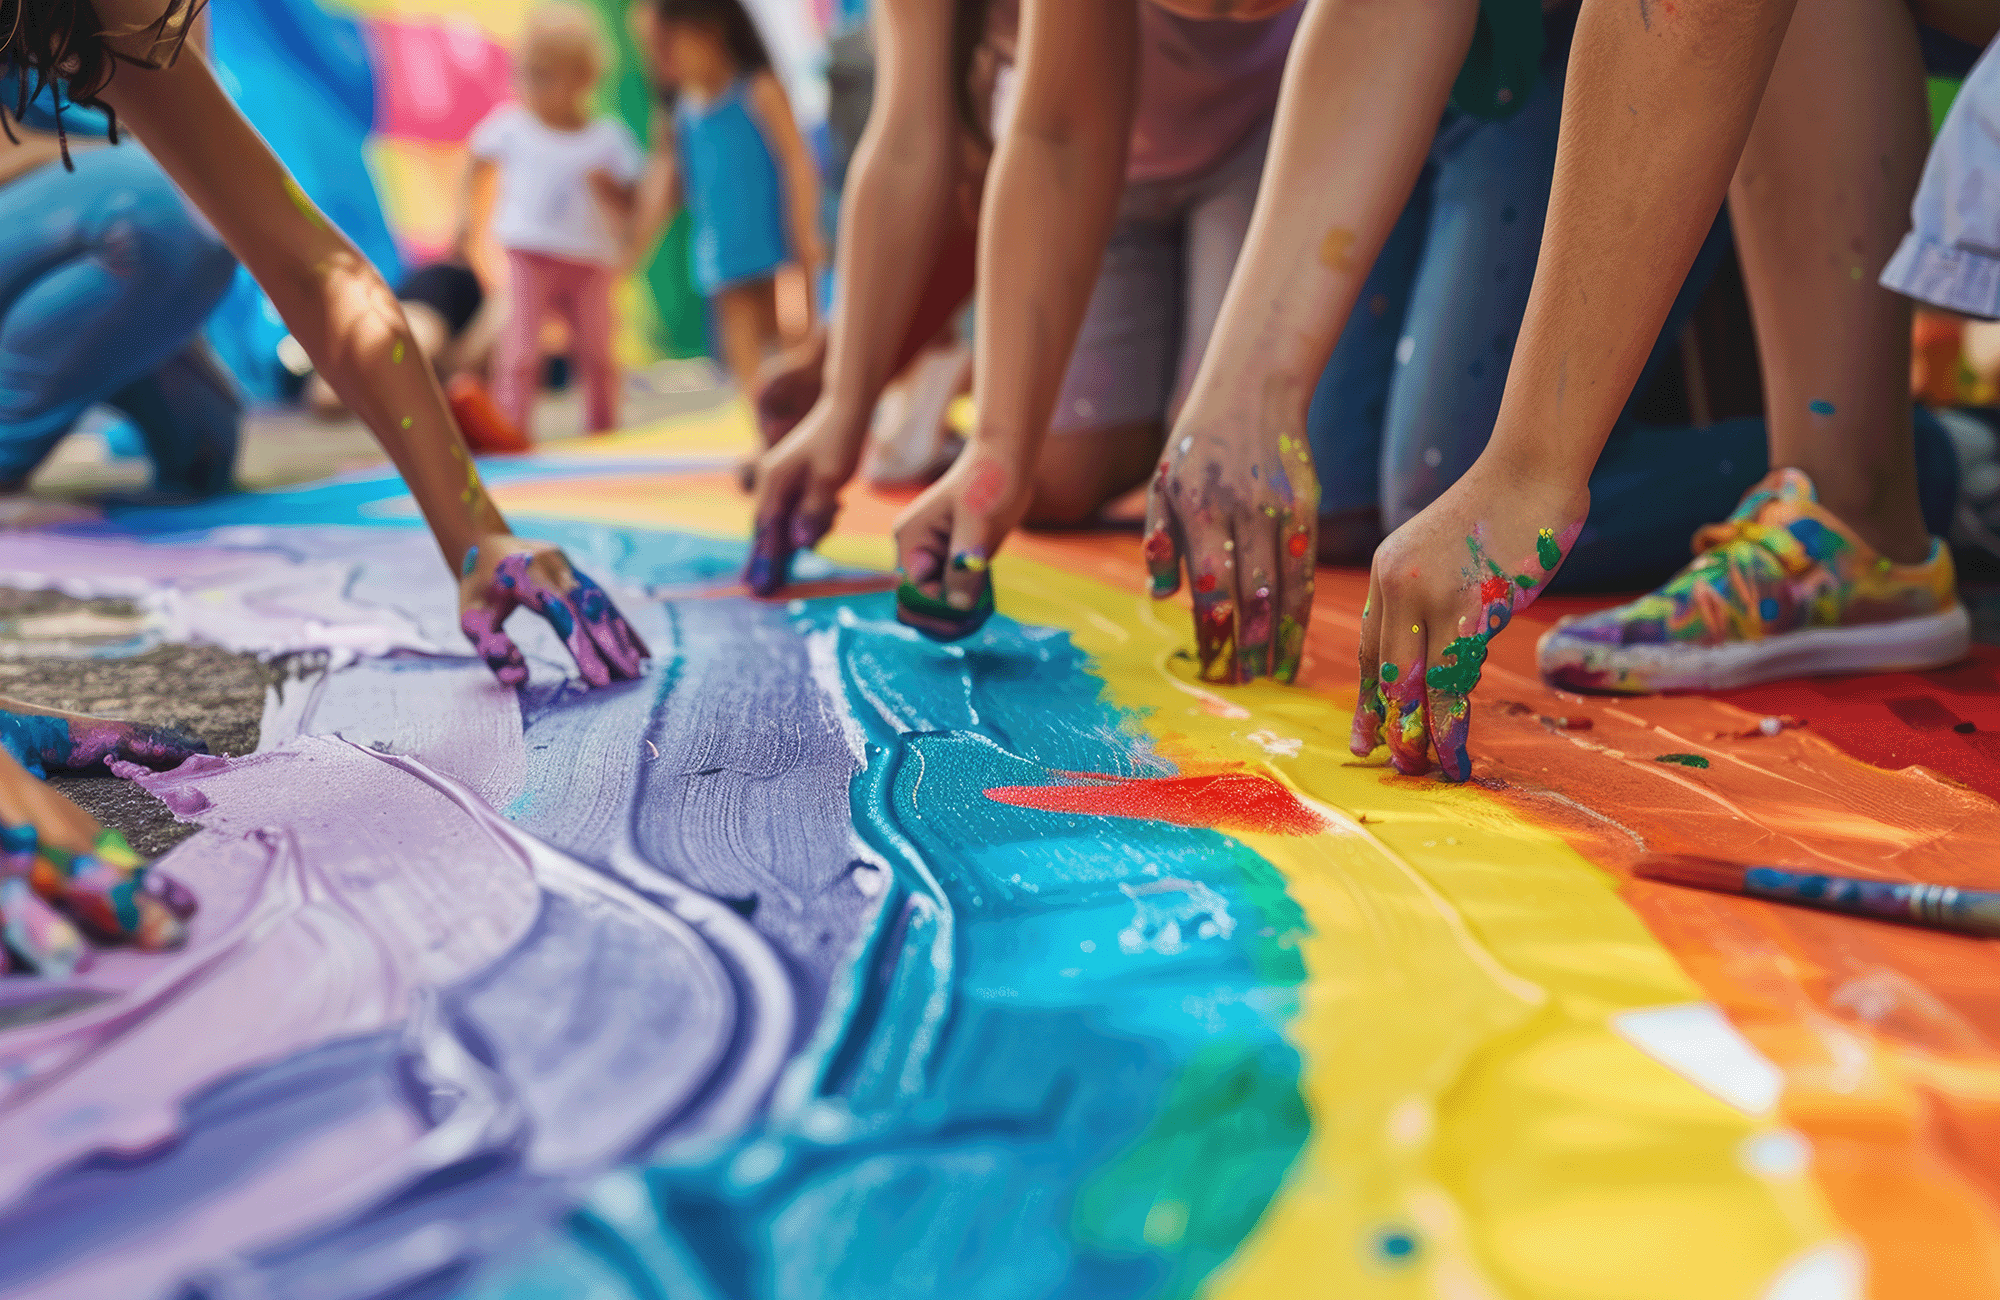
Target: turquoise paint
[(1028, 1086), (34, 740)]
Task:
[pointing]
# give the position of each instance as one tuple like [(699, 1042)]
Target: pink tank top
[(1204, 84)]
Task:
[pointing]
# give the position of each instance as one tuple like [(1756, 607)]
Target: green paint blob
[(396, 355), (1683, 760), (1390, 672), (1546, 549), (1468, 655), (1524, 582), (303, 204)]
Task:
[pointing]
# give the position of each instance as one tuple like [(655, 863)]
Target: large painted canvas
[(826, 960)]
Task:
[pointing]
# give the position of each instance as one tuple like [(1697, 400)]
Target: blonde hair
[(567, 23)]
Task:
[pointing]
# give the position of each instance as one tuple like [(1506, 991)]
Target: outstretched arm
[(349, 322), (1236, 499), (1049, 208), (796, 168), (894, 217)]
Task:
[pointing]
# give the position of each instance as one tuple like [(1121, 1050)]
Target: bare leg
[(744, 326), (1820, 200), (1078, 474)]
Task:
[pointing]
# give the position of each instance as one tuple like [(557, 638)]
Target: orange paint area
[(1888, 1037)]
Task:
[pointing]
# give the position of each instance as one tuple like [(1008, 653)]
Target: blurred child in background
[(736, 158), (567, 194)]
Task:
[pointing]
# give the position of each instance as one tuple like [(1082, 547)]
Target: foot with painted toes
[(1783, 588)]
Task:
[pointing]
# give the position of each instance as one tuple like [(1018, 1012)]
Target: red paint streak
[(1495, 589), (1205, 583), (1159, 547), (1230, 801), (1296, 545)]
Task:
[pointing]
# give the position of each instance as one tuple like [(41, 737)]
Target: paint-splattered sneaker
[(1781, 589)]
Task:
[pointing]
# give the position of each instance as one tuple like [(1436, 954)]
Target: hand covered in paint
[(1241, 511), (797, 484), (60, 872), (503, 573), (1443, 585), (946, 539), (49, 739)]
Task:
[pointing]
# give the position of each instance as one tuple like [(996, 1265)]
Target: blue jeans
[(1411, 392), (105, 281)]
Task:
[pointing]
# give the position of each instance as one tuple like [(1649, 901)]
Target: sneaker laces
[(1774, 539)]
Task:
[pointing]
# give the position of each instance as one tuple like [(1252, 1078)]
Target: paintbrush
[(1935, 907)]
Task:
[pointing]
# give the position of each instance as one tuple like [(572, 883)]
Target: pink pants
[(580, 293)]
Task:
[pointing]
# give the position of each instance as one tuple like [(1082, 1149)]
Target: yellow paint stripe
[(1463, 968)]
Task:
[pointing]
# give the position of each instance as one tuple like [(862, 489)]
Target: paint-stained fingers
[(1257, 598), (622, 650), (813, 518), (1455, 667), (1297, 542), (1212, 573), (1369, 706), (968, 570), (569, 625), (1162, 545), (481, 624), (1405, 721), (770, 562)]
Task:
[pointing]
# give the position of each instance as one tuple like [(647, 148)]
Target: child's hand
[(1240, 508), (797, 484), (946, 539), (60, 870), (504, 572), (1443, 585)]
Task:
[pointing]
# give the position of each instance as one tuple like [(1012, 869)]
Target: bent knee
[(1063, 501)]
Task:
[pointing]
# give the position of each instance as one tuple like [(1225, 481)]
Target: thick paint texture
[(1091, 1038), (983, 1103)]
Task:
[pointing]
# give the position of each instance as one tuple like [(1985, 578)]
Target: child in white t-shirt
[(567, 186)]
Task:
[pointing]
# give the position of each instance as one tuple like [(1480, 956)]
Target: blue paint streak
[(35, 741), (979, 1123), (1820, 407)]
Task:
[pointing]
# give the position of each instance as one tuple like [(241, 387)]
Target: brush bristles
[(1702, 873)]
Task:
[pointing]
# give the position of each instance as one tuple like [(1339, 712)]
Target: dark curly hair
[(737, 29), (62, 44)]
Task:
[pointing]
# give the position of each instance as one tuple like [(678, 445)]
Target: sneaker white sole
[(1906, 645)]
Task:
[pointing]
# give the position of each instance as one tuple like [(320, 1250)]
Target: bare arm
[(796, 169), (895, 209), (1364, 87), (477, 176), (337, 305), (1049, 207), (657, 196)]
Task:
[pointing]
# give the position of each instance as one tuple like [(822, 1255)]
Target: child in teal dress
[(743, 169)]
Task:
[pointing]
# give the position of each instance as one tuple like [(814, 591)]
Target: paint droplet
[(1390, 672), (1771, 726), (1205, 583), (1965, 728), (1088, 945), (396, 353), (1395, 1246), (1821, 407), (1334, 249), (1295, 545), (1416, 629), (407, 422), (1166, 1223), (1683, 760)]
